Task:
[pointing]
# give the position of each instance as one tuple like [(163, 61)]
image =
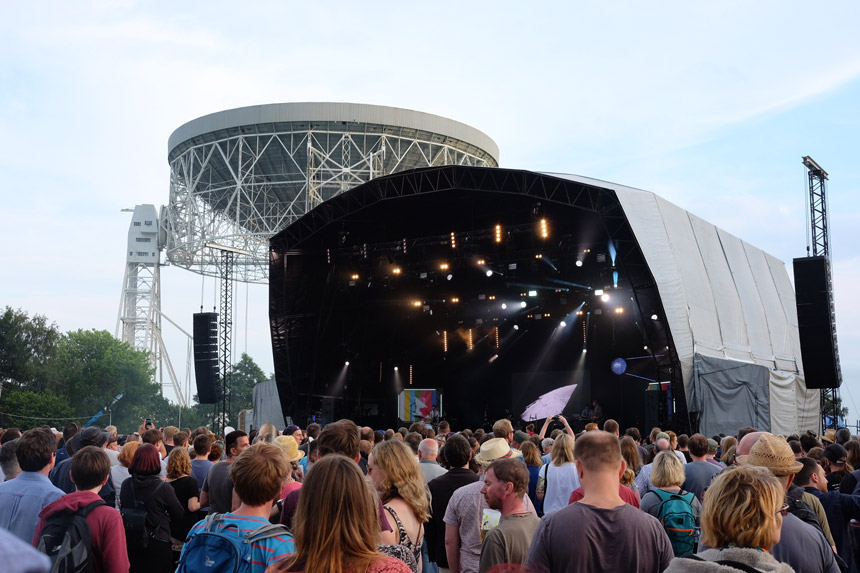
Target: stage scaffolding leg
[(226, 334)]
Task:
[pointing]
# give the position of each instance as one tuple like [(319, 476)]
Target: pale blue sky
[(710, 106)]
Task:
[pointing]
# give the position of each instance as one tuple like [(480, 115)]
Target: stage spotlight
[(579, 263), (562, 324), (498, 233), (605, 298), (598, 292), (396, 270), (544, 229), (416, 303), (489, 273), (584, 350), (449, 277), (654, 317), (453, 240), (532, 293), (482, 262), (523, 304), (504, 306), (619, 310), (516, 327), (396, 369), (346, 363), (455, 299), (444, 266), (354, 277)]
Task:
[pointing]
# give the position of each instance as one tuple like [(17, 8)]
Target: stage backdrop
[(414, 405)]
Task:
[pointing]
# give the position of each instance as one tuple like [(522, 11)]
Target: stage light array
[(544, 229), (498, 233)]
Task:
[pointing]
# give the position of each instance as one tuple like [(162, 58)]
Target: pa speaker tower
[(206, 357), (816, 322)]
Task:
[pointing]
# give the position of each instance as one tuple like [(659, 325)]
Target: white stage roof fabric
[(724, 299)]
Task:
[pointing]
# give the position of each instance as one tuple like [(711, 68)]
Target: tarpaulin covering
[(267, 405)]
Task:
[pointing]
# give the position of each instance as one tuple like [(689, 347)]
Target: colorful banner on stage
[(414, 405)]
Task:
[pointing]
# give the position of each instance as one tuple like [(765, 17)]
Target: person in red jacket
[(90, 470)]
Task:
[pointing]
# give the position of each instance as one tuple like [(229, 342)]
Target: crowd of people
[(427, 499)]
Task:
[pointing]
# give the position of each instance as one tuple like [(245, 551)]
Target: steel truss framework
[(287, 326), (242, 189), (139, 320)]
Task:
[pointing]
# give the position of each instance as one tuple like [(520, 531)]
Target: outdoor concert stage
[(496, 287)]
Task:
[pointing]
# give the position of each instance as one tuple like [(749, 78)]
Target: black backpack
[(66, 540), (134, 519)]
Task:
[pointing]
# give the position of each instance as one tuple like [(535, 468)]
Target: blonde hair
[(741, 508), (562, 450), (178, 463), (333, 494), (127, 453), (403, 477), (667, 470)]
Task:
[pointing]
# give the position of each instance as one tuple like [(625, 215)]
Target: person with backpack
[(678, 511), (148, 505), (243, 541), (79, 532)]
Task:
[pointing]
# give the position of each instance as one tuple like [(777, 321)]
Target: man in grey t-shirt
[(600, 532), (699, 473), (217, 492)]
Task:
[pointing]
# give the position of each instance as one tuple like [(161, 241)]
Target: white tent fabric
[(723, 299)]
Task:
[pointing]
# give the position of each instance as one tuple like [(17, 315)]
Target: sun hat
[(492, 450), (773, 453), (92, 436), (290, 447), (829, 436)]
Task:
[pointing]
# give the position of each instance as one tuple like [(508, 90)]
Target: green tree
[(27, 348), (240, 385), (92, 368), (26, 409)]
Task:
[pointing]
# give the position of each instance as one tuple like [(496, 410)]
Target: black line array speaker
[(206, 357), (816, 322)]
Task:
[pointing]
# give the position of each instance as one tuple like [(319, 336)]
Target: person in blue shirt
[(22, 498)]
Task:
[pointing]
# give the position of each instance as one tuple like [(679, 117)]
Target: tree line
[(49, 377)]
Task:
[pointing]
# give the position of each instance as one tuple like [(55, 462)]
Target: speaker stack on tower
[(206, 357), (816, 322)]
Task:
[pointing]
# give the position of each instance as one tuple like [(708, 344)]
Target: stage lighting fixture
[(512, 266), (445, 341), (579, 263), (396, 270), (395, 368), (346, 363), (579, 313), (504, 306), (584, 350), (491, 297), (598, 292), (538, 256), (645, 347), (544, 229), (449, 277), (470, 340), (416, 303), (482, 262), (523, 304), (516, 327), (532, 293), (453, 240), (654, 317), (562, 324), (498, 233), (444, 266), (354, 277), (489, 273), (605, 298), (619, 310), (455, 299)]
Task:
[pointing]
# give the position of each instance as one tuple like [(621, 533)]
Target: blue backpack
[(223, 549), (677, 517)]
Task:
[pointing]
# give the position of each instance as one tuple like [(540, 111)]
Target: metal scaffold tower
[(820, 247), (139, 316)]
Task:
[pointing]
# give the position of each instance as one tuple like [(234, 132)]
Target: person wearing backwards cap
[(465, 508), (834, 460), (802, 543)]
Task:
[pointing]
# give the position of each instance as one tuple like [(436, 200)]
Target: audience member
[(428, 451), (741, 521), (336, 494), (505, 485), (9, 460), (90, 470), (201, 465), (559, 478), (22, 499), (610, 534), (216, 491), (699, 473), (186, 490)]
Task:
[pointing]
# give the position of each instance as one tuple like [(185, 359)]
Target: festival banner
[(414, 405)]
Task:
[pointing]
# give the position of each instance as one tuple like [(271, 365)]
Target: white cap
[(228, 429)]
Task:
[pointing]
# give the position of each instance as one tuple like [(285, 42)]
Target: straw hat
[(829, 436), (290, 447), (492, 450), (773, 453)]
